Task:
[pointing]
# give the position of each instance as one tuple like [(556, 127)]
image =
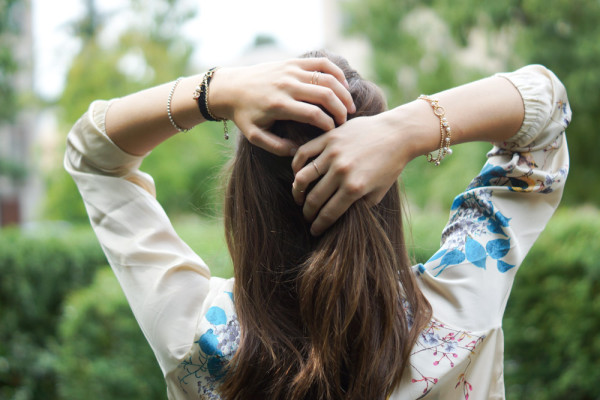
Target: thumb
[(270, 142)]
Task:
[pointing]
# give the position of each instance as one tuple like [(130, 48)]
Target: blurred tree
[(8, 29), (149, 51), (427, 46)]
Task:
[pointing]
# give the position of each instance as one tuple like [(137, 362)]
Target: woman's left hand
[(360, 159)]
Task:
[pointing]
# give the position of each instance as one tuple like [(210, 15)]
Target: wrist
[(417, 127), (220, 94)]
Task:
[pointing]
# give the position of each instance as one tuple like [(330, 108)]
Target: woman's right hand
[(360, 159), (255, 97)]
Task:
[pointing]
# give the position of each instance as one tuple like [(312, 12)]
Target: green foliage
[(102, 352), (37, 273), (206, 237), (8, 66), (186, 170), (418, 47), (551, 322), (145, 55)]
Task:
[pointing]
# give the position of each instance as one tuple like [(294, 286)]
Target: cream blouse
[(189, 318)]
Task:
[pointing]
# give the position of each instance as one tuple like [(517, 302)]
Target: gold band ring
[(316, 168), (315, 78)]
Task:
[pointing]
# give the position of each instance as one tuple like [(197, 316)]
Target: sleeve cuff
[(99, 151), (535, 84)]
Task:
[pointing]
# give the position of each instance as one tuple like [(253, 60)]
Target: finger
[(270, 142), (324, 97), (308, 150), (325, 90), (318, 196), (311, 172), (324, 65), (306, 113), (337, 205)]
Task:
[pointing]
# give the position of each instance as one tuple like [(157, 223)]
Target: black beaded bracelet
[(201, 97)]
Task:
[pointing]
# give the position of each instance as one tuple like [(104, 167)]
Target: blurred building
[(19, 187), (356, 50)]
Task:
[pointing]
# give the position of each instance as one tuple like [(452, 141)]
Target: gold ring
[(315, 78), (316, 169)]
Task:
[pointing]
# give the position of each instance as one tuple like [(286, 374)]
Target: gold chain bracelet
[(445, 131)]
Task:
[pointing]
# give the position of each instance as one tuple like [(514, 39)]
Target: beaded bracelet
[(169, 113), (201, 97), (445, 131)]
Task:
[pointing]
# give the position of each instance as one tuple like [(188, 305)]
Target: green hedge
[(552, 321), (37, 272), (103, 353), (65, 337)]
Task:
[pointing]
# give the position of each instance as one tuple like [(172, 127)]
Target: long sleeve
[(496, 220), (164, 281), (492, 226)]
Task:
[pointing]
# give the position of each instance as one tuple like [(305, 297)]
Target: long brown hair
[(321, 318)]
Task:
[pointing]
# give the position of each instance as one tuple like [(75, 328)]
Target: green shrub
[(102, 352), (36, 273), (552, 320)]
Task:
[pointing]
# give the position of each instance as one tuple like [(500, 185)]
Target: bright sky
[(223, 29)]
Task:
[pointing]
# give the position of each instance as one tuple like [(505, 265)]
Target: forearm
[(487, 110), (139, 122), (253, 97)]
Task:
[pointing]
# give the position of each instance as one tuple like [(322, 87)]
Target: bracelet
[(180, 129), (445, 131), (201, 97)]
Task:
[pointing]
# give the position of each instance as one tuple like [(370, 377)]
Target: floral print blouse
[(189, 318)]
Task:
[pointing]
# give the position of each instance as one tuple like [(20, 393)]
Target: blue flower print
[(217, 343)]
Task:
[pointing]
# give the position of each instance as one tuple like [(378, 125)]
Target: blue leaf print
[(451, 258), (458, 201), (216, 316), (490, 172), (503, 266), (475, 252), (437, 255), (495, 226), (502, 220), (209, 343), (498, 248), (215, 367)]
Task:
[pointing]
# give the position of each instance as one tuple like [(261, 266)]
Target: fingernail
[(293, 151), (353, 108), (346, 84)]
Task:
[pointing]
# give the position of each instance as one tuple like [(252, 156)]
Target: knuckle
[(276, 104), (311, 202), (342, 167), (282, 83), (326, 218), (330, 96), (252, 136), (301, 180), (355, 188), (314, 114)]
